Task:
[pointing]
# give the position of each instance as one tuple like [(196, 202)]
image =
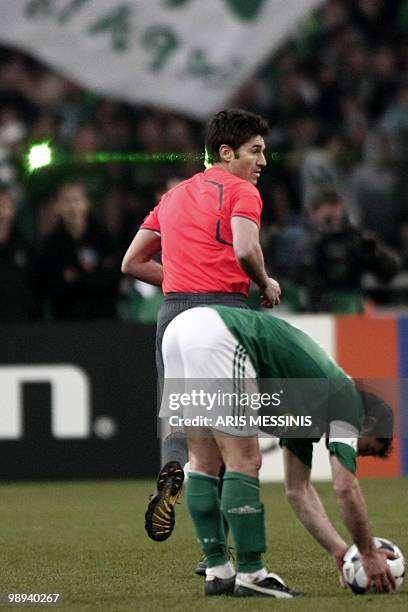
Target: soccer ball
[(353, 570)]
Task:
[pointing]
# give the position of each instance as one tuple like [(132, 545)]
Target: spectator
[(79, 261), (328, 107), (333, 256), (18, 294), (283, 234), (12, 132), (87, 140), (279, 243), (373, 18), (374, 202), (319, 169), (355, 124), (383, 80), (395, 124), (116, 126)]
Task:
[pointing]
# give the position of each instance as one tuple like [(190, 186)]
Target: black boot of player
[(160, 517)]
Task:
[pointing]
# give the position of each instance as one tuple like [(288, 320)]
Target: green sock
[(204, 507), (244, 512)]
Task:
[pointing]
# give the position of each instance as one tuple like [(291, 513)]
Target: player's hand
[(338, 557), (271, 294), (377, 570)]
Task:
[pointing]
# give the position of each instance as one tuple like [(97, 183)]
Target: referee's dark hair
[(378, 421), (232, 127)]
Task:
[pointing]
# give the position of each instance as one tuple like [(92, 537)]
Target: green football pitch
[(86, 541)]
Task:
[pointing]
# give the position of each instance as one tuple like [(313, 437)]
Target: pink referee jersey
[(194, 222)]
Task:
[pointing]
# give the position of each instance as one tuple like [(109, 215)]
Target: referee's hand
[(271, 294)]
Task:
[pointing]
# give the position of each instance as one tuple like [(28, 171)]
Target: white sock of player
[(224, 571), (252, 577)]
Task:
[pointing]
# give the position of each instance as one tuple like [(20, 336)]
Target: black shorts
[(301, 447), (175, 303)]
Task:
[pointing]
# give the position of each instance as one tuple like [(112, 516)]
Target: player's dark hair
[(379, 413), (232, 127)]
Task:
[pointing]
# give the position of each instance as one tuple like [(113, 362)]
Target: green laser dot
[(39, 156)]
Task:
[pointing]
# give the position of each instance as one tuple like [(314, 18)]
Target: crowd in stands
[(336, 97)]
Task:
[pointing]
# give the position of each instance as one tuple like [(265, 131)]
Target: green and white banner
[(187, 55)]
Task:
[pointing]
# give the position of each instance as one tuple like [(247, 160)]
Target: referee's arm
[(249, 256), (138, 260)]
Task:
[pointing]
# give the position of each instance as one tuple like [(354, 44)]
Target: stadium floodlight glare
[(39, 156)]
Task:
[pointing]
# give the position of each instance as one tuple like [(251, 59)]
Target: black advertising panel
[(77, 401)]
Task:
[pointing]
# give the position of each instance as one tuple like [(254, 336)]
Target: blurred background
[(331, 79)]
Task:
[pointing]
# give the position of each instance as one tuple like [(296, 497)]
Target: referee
[(207, 229)]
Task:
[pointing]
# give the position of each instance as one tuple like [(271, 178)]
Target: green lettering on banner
[(116, 22), (175, 3), (41, 8), (162, 41), (69, 11), (215, 76), (246, 9), (199, 66)]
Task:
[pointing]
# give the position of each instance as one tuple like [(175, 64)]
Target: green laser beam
[(42, 155), (103, 157)]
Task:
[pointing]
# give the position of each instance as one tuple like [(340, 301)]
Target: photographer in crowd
[(332, 257)]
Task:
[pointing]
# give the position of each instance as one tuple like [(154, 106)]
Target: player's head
[(378, 426), (235, 139)]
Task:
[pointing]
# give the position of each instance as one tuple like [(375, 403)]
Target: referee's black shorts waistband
[(211, 297)]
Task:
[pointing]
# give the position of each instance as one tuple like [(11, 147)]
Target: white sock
[(252, 576), (223, 571)]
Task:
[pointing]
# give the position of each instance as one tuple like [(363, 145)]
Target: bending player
[(375, 440), (213, 343)]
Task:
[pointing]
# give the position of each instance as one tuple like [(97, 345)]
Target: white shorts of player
[(197, 344)]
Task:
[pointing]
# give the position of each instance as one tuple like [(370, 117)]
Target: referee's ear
[(226, 153)]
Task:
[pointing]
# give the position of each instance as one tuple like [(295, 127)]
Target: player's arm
[(247, 248), (354, 512), (309, 508), (138, 260)]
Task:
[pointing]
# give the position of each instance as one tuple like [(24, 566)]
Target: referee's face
[(248, 161)]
